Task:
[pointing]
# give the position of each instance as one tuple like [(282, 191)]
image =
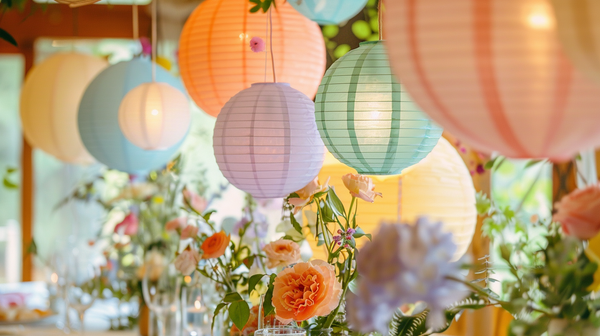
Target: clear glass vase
[(321, 332)]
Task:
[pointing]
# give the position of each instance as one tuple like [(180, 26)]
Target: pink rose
[(177, 223), (282, 253), (128, 226), (360, 186), (306, 194), (579, 213), (257, 44), (187, 261), (189, 231), (195, 201)]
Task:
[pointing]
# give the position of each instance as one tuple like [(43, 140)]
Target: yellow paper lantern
[(50, 101), (439, 187), (216, 62)]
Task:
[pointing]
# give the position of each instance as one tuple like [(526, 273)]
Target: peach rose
[(215, 245), (282, 253), (306, 290), (187, 261), (306, 194), (360, 186), (177, 223), (195, 201), (579, 213), (190, 231)]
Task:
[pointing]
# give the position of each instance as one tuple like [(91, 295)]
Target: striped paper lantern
[(266, 141), (329, 12), (366, 119), (216, 61), (439, 187), (491, 72), (579, 31)]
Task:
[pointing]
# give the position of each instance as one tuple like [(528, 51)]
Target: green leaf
[(216, 313), (207, 215), (8, 184), (232, 297), (239, 312), (334, 202), (257, 6), (4, 35), (359, 233), (268, 302), (295, 224), (254, 280), (403, 325)]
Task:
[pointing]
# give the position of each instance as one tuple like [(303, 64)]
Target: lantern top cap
[(370, 42), (270, 83)]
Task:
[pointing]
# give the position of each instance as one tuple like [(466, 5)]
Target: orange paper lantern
[(492, 73), (216, 61)]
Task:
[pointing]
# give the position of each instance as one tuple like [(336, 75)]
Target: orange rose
[(306, 290), (282, 253), (215, 245), (360, 186), (579, 213)]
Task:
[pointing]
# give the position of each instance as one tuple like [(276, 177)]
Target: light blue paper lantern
[(98, 117), (328, 12)]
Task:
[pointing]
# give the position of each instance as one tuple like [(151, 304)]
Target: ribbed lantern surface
[(216, 61), (366, 119), (266, 142), (492, 73), (328, 12), (49, 101)]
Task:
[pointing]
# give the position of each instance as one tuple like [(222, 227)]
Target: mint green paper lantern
[(366, 119)]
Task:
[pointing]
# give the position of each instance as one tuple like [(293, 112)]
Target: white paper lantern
[(154, 116), (49, 103), (266, 140)]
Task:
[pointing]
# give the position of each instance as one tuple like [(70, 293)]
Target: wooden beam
[(95, 21), (598, 163), (564, 180)]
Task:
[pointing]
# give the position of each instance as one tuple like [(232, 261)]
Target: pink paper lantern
[(491, 72), (266, 140)]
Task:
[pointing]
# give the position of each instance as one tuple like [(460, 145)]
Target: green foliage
[(239, 312), (7, 179), (262, 4), (330, 31), (341, 50), (4, 35), (361, 29)]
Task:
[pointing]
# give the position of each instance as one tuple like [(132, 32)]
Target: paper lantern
[(154, 116), (216, 61), (266, 141), (439, 187), (491, 73), (365, 118), (329, 12), (98, 117), (49, 100), (579, 31)]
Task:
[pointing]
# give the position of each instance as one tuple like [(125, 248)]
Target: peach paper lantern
[(439, 187), (50, 101), (492, 73), (266, 140), (216, 61), (154, 116), (579, 31)]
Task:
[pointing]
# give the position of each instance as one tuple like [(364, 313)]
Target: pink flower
[(306, 194), (579, 213), (189, 231), (195, 201), (146, 45), (360, 186), (128, 226), (177, 223), (187, 261), (257, 44)]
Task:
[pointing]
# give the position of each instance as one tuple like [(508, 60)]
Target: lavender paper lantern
[(266, 140)]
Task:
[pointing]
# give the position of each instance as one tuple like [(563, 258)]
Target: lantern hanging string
[(134, 11), (154, 39), (380, 18), (266, 35), (271, 44)]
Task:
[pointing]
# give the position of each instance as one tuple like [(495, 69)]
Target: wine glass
[(160, 289), (83, 286)]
